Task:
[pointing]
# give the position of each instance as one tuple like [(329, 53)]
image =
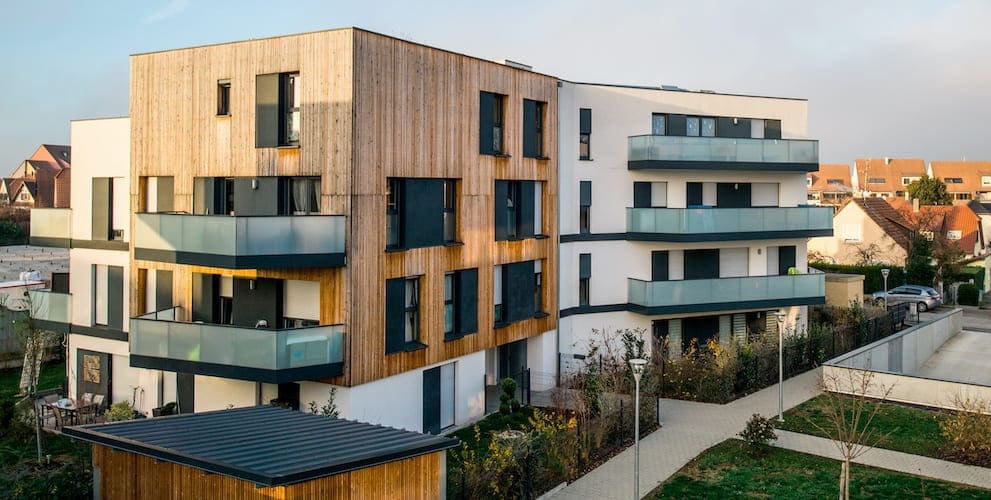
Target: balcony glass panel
[(47, 305), (159, 335), (51, 223), (727, 220), (240, 236), (712, 291), (721, 149)]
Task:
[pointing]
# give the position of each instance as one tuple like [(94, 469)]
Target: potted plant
[(166, 409)]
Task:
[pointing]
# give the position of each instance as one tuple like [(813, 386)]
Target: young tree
[(852, 402), (929, 191)]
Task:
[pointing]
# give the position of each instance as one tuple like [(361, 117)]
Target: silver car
[(925, 296)]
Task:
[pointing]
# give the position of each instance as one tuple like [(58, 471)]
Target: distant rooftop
[(263, 444), (15, 259)]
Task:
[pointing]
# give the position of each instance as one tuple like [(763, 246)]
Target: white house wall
[(100, 148)]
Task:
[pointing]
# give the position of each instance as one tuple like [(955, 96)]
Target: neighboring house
[(983, 212), (965, 180), (670, 224), (957, 223), (832, 184), (886, 177), (45, 179), (865, 230)]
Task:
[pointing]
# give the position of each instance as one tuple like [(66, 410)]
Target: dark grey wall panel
[(260, 200), (115, 297), (163, 289), (267, 110), (526, 209), (738, 128), (659, 265), (694, 195), (431, 401), (701, 264), (467, 301), (584, 121), (518, 287), (165, 192), (641, 195), (585, 193), (395, 294), (262, 303), (103, 192), (677, 125), (204, 291), (486, 112), (423, 213), (585, 265), (530, 129), (733, 195)]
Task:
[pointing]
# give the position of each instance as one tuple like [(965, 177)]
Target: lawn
[(51, 377), (912, 430), (492, 423), (728, 471)]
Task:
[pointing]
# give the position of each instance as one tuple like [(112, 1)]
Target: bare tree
[(852, 400)]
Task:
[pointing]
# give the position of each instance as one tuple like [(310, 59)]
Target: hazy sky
[(893, 78)]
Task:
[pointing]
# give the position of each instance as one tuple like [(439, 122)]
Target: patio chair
[(90, 412), (59, 418), (87, 398)]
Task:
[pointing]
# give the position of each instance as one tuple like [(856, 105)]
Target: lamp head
[(637, 365)]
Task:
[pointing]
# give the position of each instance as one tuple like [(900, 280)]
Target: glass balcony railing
[(47, 305), (724, 290), (721, 149), (51, 226), (727, 220), (161, 335), (189, 238)]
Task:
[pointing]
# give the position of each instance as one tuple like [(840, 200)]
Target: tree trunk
[(845, 480), (33, 349)]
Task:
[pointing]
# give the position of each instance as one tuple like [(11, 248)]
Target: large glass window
[(657, 124), (291, 100), (449, 304), (304, 195), (708, 127), (512, 209), (692, 126), (393, 200), (412, 310), (450, 211)]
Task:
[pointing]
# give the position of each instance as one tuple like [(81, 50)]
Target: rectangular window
[(985, 180), (450, 311), (953, 180), (834, 181), (692, 126), (304, 195), (450, 211), (584, 277), (393, 195), (516, 209), (875, 180), (438, 398), (708, 127), (851, 232), (411, 312), (512, 210), (533, 129), (514, 292), (108, 296), (954, 235), (584, 134), (538, 283), (584, 206), (224, 98), (402, 315), (808, 182), (290, 108), (460, 303), (497, 292), (491, 121), (657, 124)]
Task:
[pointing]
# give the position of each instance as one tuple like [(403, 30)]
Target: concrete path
[(891, 460), (688, 430)]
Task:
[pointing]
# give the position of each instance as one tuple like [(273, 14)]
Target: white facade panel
[(764, 194), (100, 148), (215, 393), (302, 299), (136, 385), (733, 262)]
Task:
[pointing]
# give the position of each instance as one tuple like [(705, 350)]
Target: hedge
[(873, 280)]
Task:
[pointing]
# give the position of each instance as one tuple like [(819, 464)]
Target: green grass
[(728, 471), (912, 430), (51, 377), (492, 423)]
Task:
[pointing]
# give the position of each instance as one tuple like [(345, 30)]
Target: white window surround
[(955, 234)]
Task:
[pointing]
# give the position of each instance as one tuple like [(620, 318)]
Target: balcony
[(264, 242), (727, 224), (50, 227), (51, 310), (722, 294), (162, 341), (722, 153)]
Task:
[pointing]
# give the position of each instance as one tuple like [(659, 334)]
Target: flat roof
[(265, 445)]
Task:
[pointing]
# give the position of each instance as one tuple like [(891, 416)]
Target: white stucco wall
[(124, 378), (100, 148)]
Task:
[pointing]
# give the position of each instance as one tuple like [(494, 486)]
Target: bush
[(968, 433), (507, 400), (119, 412), (967, 295), (758, 434), (873, 280)]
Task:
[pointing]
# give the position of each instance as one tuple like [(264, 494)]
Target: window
[(960, 196), (538, 286), (876, 180), (584, 134), (692, 126), (450, 211), (277, 110), (517, 208), (657, 122), (438, 398), (497, 292), (420, 212), (25, 196), (808, 182), (533, 129), (402, 315), (290, 108), (110, 208), (708, 127), (908, 180), (460, 303), (584, 206), (834, 181), (650, 194), (491, 120), (224, 98), (953, 180), (584, 276), (108, 296), (514, 292), (304, 195)]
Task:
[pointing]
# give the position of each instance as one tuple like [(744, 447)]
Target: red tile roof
[(889, 170), (825, 179)]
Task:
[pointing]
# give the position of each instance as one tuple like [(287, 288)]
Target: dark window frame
[(538, 283), (585, 134), (450, 211), (513, 196), (223, 98), (451, 293), (289, 109), (411, 310), (499, 124), (393, 204)]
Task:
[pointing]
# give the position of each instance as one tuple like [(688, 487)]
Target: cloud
[(173, 8)]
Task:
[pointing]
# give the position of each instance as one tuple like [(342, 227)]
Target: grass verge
[(51, 377)]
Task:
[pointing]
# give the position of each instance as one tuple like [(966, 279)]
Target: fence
[(522, 392)]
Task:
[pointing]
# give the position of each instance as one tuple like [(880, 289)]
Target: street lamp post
[(637, 365), (781, 365), (884, 273)]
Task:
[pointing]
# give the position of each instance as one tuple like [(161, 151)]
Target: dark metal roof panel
[(263, 444)]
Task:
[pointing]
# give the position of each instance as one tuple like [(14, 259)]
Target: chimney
[(887, 161), (915, 205)]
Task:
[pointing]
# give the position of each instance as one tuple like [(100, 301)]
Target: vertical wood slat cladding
[(130, 476), (372, 107)]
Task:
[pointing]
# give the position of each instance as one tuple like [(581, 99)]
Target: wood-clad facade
[(123, 474), (371, 108)]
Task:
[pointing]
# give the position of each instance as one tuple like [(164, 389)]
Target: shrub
[(329, 409), (120, 411), (967, 295), (507, 400), (968, 433), (758, 434)]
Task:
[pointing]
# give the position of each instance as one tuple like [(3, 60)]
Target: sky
[(903, 79)]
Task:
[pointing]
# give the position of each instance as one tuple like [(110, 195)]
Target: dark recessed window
[(304, 195), (491, 123), (497, 294), (277, 110), (224, 98), (584, 278), (515, 291), (402, 314), (658, 124), (450, 211), (538, 286), (411, 312), (584, 134), (953, 180), (584, 206), (420, 212), (290, 108), (450, 312), (393, 196), (460, 303), (875, 180), (533, 128), (517, 209)]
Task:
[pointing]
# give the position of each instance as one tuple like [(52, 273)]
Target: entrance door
[(93, 371), (512, 359), (700, 329)]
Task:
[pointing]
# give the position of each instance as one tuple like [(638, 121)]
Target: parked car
[(925, 296)]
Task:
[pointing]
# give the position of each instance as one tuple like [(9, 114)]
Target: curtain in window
[(304, 195)]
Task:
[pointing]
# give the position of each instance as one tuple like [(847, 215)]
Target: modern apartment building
[(683, 214), (341, 209)]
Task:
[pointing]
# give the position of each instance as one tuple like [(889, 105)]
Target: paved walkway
[(891, 460), (688, 430)]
